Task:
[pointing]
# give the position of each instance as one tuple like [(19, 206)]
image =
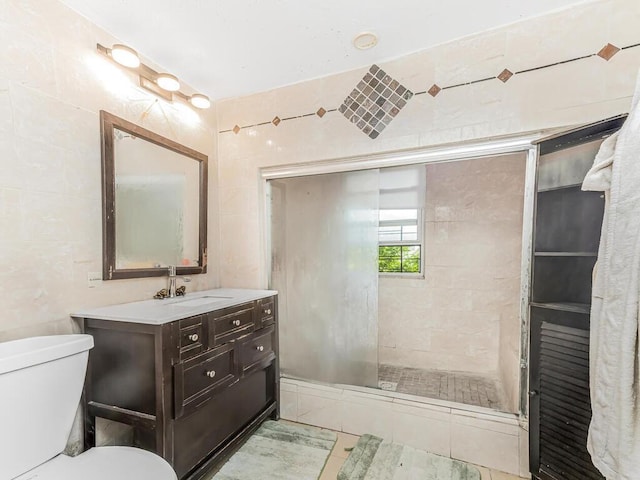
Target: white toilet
[(41, 382)]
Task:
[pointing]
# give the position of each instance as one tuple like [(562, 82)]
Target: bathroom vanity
[(193, 376)]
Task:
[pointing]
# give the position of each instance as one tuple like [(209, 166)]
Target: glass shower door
[(324, 236)]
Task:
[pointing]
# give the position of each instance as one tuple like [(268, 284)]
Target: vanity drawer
[(201, 377), (192, 339), (257, 349), (231, 323), (266, 312)]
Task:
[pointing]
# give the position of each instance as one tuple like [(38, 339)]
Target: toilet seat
[(104, 463)]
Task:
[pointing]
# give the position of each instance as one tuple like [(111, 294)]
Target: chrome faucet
[(172, 281)]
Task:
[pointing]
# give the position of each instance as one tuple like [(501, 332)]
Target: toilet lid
[(104, 463)]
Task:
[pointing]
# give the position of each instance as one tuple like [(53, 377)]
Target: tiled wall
[(565, 94), (308, 130), (52, 86), (464, 315), (473, 435)]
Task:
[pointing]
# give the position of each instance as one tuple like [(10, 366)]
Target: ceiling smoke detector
[(365, 40)]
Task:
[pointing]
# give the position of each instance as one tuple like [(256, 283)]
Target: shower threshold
[(458, 387)]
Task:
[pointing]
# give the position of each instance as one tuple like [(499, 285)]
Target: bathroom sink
[(197, 302)]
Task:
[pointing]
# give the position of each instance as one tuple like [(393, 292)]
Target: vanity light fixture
[(164, 85), (168, 82), (125, 56), (199, 100)]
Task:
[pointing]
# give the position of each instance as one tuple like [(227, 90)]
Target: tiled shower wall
[(464, 315), (52, 86), (565, 94)]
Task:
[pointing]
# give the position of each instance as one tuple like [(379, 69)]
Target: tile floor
[(453, 386), (339, 455)]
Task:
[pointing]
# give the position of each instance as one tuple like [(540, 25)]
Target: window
[(400, 241)]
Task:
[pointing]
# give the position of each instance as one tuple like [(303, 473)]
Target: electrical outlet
[(94, 279)]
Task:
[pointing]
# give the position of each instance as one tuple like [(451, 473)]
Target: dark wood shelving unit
[(567, 234)]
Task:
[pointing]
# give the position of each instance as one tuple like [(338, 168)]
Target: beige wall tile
[(52, 85), (321, 411), (457, 314), (524, 453), (422, 428), (485, 447)]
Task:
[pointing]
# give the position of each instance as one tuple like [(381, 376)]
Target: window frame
[(404, 243)]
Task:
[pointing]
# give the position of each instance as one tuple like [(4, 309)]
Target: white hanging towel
[(614, 433)]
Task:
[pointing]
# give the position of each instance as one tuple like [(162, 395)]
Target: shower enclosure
[(404, 278)]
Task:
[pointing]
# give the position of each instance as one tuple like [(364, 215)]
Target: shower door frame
[(526, 144)]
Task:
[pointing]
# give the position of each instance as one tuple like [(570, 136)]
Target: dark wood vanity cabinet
[(191, 389)]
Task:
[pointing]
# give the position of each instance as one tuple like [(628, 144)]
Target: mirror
[(154, 195)]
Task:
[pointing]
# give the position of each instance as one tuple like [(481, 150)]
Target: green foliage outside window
[(399, 258)]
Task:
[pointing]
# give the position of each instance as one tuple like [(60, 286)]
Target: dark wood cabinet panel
[(568, 220), (192, 389), (206, 428), (562, 279), (192, 337), (201, 377), (257, 348), (561, 404), (113, 380), (266, 312), (231, 323)]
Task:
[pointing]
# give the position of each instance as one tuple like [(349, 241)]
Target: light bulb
[(125, 56), (168, 82), (200, 101)]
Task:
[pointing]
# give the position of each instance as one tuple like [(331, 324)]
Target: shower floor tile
[(452, 386)]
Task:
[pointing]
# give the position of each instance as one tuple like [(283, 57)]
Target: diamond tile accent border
[(505, 75), (434, 90), (372, 125), (375, 102), (608, 51)]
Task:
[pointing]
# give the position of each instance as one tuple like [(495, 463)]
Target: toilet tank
[(41, 382)]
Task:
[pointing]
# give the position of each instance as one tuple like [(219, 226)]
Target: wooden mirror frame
[(108, 122)]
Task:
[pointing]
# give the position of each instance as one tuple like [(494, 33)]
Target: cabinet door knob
[(268, 311), (236, 323), (260, 348), (194, 337), (211, 373)]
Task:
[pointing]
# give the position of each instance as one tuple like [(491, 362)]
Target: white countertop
[(158, 312)]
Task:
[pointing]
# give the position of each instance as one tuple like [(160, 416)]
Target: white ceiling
[(226, 48)]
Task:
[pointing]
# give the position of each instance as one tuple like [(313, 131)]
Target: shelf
[(559, 187), (564, 306), (566, 254)]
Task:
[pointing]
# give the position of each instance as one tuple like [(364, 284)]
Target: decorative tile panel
[(375, 102)]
